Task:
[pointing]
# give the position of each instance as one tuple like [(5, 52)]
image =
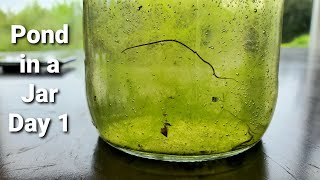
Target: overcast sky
[(17, 5)]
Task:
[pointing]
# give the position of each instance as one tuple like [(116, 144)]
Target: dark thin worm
[(195, 52), (243, 144)]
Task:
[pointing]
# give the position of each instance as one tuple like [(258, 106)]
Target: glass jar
[(182, 80)]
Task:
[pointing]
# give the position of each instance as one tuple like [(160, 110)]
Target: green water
[(202, 81)]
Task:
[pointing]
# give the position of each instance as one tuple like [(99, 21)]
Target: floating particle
[(215, 99)]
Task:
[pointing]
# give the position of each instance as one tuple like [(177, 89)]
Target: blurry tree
[(36, 17), (297, 18)]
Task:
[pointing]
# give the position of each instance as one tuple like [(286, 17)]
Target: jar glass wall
[(182, 80)]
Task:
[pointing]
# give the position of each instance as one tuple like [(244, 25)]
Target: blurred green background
[(36, 16), (296, 23)]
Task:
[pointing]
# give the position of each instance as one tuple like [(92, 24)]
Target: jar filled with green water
[(182, 80)]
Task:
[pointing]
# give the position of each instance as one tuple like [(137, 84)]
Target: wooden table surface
[(290, 149)]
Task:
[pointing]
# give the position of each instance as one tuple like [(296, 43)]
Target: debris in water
[(164, 130), (215, 99)]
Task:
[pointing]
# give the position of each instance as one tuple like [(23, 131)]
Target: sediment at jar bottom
[(184, 137)]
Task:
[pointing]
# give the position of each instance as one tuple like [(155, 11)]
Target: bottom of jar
[(182, 158)]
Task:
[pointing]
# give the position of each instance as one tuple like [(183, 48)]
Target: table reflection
[(310, 151), (110, 162)]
